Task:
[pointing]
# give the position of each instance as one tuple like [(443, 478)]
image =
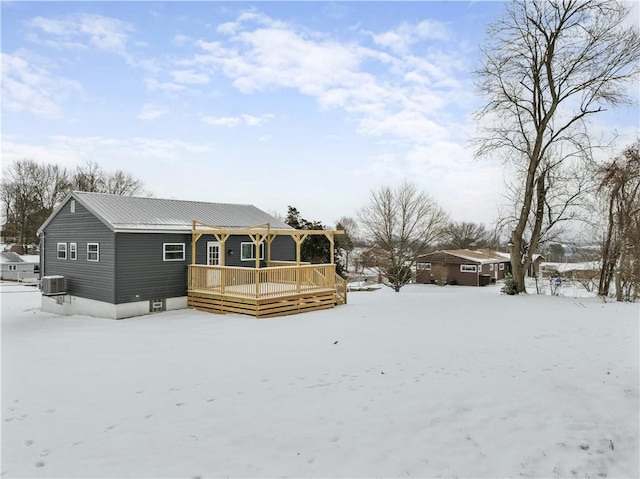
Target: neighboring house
[(15, 268), (534, 267), (463, 267)]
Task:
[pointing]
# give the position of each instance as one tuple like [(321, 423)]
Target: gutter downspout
[(42, 248)]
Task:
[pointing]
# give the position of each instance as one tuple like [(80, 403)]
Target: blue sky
[(309, 104)]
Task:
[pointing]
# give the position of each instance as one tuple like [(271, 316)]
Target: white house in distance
[(13, 267)]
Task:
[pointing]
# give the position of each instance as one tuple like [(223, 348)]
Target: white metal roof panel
[(131, 213)]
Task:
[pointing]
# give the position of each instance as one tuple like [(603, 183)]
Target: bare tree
[(347, 241), (401, 223), (620, 187), (466, 234), (90, 178), (548, 67), (54, 186), (122, 183), (29, 193)]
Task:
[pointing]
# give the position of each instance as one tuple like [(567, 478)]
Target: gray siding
[(141, 272), (283, 248), (87, 279), (131, 265)]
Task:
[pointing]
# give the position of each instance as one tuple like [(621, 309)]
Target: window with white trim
[(423, 266), (248, 251), (468, 268), (73, 251), (62, 250), (13, 267), (501, 266), (93, 251), (73, 206), (173, 251), (491, 267)]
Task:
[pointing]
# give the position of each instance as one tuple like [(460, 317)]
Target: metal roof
[(136, 214), (470, 255), (10, 257)]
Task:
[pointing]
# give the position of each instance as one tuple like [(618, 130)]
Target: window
[(491, 267), (480, 268), (73, 251), (468, 268), (62, 250), (93, 252), (173, 251), (73, 206), (12, 267), (501, 266), (423, 266), (248, 251)]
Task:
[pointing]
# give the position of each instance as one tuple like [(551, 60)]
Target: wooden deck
[(265, 292)]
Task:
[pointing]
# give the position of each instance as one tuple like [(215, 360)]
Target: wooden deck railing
[(264, 282), (341, 289)]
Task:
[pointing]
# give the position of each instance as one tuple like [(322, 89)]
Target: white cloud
[(100, 32), (229, 121), (112, 153), (180, 39), (406, 35), (29, 85), (401, 96), (154, 85), (233, 121), (384, 167), (151, 112), (190, 77)]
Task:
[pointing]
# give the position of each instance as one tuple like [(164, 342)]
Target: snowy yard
[(428, 382)]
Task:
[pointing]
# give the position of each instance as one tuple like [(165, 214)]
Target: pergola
[(258, 234)]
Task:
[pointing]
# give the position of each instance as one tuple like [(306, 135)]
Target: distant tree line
[(30, 191)]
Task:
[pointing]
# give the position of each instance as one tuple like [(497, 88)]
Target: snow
[(30, 258), (428, 382), (564, 267)]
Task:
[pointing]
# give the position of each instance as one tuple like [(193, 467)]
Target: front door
[(213, 259), (213, 253)]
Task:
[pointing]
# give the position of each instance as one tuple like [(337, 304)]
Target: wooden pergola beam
[(258, 234)]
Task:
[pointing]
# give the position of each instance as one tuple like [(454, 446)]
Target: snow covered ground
[(428, 382)]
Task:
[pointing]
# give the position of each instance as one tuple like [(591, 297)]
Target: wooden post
[(331, 245), (193, 242), (298, 238)]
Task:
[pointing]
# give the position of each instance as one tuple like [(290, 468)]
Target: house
[(13, 267), (463, 267), (534, 267), (118, 256)]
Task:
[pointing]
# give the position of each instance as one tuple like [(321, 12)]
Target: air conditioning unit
[(53, 285)]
